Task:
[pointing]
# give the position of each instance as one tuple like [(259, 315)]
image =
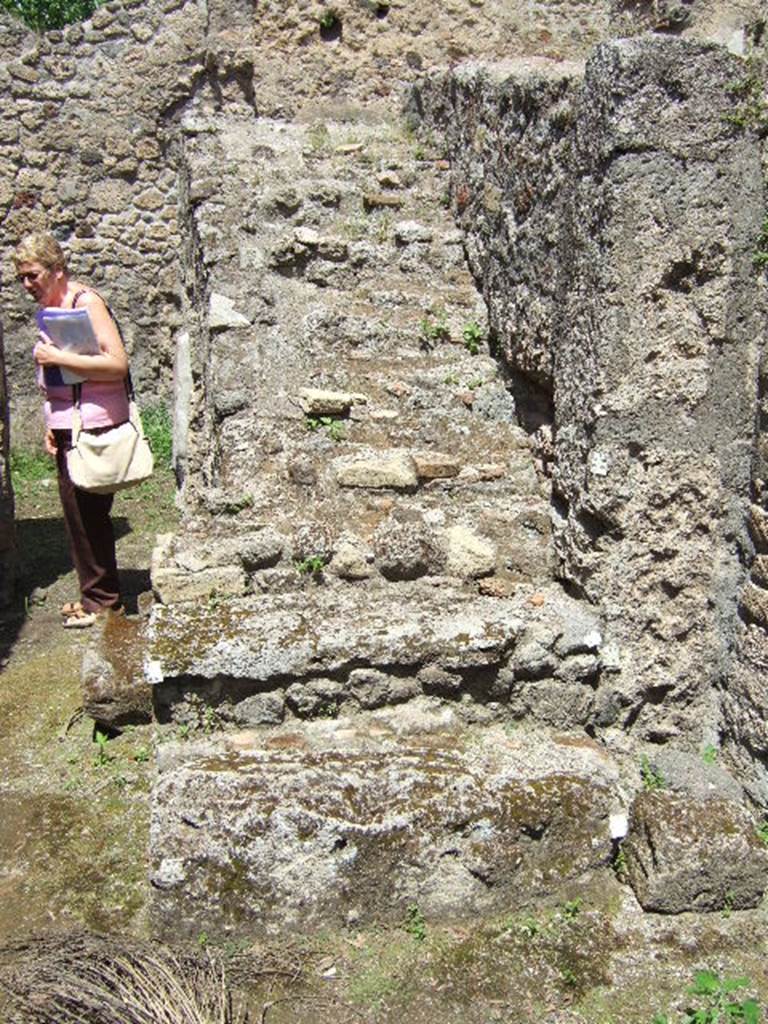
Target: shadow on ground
[(43, 560)]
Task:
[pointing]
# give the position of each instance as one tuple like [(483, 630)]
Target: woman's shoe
[(71, 608), (80, 619)]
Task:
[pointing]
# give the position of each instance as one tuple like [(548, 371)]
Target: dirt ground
[(74, 813)]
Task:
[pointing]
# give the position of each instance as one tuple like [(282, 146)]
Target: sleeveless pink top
[(103, 403)]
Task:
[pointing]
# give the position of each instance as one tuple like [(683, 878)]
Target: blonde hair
[(40, 247)]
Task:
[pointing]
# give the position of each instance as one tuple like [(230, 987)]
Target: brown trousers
[(90, 534)]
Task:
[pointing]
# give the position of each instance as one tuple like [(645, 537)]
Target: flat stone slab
[(242, 647), (352, 820)]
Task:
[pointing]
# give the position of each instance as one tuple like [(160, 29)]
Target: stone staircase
[(366, 563), (352, 442)]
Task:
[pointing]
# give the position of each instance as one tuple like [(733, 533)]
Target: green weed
[(414, 924), (529, 927), (328, 709), (43, 15), (620, 864), (103, 755), (749, 91), (28, 466), (199, 718), (572, 909), (473, 337), (328, 20), (717, 1004), (435, 330), (319, 137), (727, 905), (569, 977), (312, 565), (762, 832), (709, 754), (651, 777), (333, 427), (760, 258)]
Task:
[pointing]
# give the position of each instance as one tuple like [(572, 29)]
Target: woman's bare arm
[(110, 364)]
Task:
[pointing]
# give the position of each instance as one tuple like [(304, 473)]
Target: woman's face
[(42, 284)]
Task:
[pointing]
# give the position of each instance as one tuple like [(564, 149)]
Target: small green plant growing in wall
[(44, 15), (651, 777), (103, 755), (717, 1002), (473, 337), (328, 19), (156, 420), (750, 93), (709, 754), (312, 565), (572, 909), (435, 330), (333, 427)]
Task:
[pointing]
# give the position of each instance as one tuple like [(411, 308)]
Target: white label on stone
[(599, 463)]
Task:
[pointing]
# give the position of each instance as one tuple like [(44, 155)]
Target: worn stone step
[(350, 821), (438, 636)]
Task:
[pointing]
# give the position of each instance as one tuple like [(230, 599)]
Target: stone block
[(759, 571), (754, 601), (260, 709), (316, 822), (381, 201), (352, 561), (222, 313), (467, 554), (684, 854), (391, 469), (435, 465), (316, 402), (409, 231), (407, 549), (758, 528), (172, 584)]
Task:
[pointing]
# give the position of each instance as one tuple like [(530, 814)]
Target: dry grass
[(91, 979)]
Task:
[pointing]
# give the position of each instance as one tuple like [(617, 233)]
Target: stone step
[(349, 821), (353, 647)]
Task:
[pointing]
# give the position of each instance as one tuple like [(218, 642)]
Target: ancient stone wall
[(88, 152), (88, 124), (643, 330)]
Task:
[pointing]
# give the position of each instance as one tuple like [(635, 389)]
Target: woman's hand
[(46, 353), (50, 443)]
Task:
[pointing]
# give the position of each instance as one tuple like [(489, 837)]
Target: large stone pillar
[(612, 214), (656, 369)]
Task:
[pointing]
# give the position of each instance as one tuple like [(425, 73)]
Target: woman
[(41, 268)]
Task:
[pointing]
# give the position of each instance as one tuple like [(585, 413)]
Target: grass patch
[(29, 465), (158, 428)]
